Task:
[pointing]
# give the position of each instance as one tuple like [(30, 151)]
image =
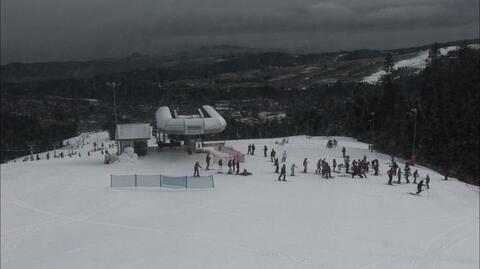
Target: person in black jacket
[(283, 173), (419, 187), (276, 164), (265, 149)]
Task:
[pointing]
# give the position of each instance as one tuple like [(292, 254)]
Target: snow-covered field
[(62, 213), (417, 62)]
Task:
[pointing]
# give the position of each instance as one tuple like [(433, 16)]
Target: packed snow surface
[(62, 213)]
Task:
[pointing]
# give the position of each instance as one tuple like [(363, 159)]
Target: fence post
[(135, 180), (213, 182), (186, 182)]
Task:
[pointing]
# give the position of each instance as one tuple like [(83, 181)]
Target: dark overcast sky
[(44, 30)]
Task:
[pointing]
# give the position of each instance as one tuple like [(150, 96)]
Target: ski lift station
[(188, 127)]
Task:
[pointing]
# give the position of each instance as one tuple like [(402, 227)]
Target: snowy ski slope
[(417, 62), (63, 214)]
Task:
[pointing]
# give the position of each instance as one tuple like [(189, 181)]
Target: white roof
[(134, 131)]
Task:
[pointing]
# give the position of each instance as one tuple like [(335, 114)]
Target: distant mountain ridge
[(25, 72)]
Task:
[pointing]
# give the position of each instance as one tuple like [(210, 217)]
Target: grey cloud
[(41, 30)]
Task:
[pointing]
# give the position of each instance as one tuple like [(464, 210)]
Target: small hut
[(135, 135)]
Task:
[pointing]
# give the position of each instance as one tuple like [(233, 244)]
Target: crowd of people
[(357, 168)]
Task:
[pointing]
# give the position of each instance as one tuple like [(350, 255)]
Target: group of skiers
[(358, 167), (251, 149)]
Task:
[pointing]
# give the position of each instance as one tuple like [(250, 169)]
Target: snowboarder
[(265, 149), (207, 160), (220, 166), (334, 163), (427, 181), (245, 173), (276, 164), (415, 175), (305, 164), (283, 173), (343, 152), (196, 167), (253, 149), (419, 187), (272, 155), (292, 169), (284, 156)]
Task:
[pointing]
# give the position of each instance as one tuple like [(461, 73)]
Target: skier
[(390, 176), (276, 164), (305, 164), (229, 164), (375, 166), (38, 158), (319, 166), (220, 166), (284, 156), (415, 175), (343, 152), (283, 173), (419, 187), (272, 155), (253, 149), (249, 151), (334, 163), (196, 172), (234, 165), (48, 156), (238, 166), (427, 181), (406, 170), (347, 163), (88, 153), (292, 169), (265, 149), (327, 171), (399, 175), (207, 159), (445, 174)]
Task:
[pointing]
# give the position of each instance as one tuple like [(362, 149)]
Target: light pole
[(114, 85), (414, 111), (373, 130)]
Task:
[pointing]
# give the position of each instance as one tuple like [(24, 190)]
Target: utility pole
[(373, 131), (114, 85), (414, 111)]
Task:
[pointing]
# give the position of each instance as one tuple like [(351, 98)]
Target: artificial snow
[(62, 213)]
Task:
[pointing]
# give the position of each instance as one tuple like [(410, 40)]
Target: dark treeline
[(445, 95)]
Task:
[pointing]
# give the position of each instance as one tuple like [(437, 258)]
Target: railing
[(161, 181)]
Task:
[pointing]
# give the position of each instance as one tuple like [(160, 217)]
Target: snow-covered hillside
[(417, 62), (62, 213)]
